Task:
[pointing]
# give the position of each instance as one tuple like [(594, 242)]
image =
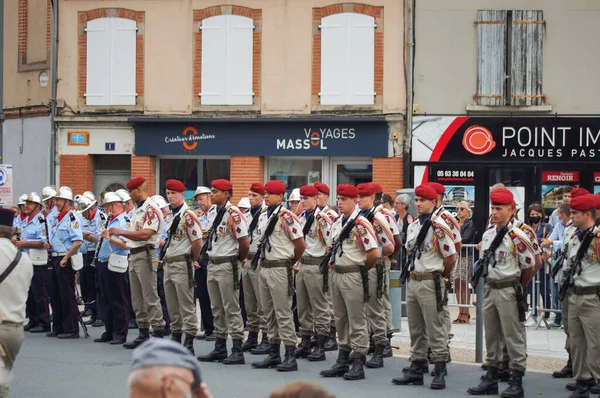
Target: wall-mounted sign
[(596, 178), (566, 177), (452, 175), (6, 185), (78, 138), (109, 146)]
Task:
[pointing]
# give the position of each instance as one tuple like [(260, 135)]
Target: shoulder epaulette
[(102, 217), (72, 216), (126, 219), (41, 218)]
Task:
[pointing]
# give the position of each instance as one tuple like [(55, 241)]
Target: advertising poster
[(553, 184), (597, 182), (6, 185), (459, 182)]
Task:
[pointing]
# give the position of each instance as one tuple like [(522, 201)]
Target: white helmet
[(35, 198), (48, 193), (84, 203), (123, 194), (89, 195), (201, 190), (244, 203), (295, 195), (65, 193), (112, 197), (159, 201), (22, 199)]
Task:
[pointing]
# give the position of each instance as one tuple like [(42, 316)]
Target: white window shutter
[(334, 60), (361, 59), (123, 61), (240, 34), (98, 68), (214, 61)]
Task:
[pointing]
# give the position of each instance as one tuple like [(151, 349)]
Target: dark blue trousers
[(39, 292), (160, 287), (87, 282), (65, 313), (112, 303), (201, 292)]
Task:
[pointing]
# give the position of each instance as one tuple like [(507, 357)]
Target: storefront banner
[(243, 138), (597, 178), (446, 174), (566, 177), (6, 184), (494, 139)]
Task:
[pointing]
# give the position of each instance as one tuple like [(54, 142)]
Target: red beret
[(175, 185), (135, 182), (366, 189), (502, 197), (347, 190), (579, 192), (583, 202), (222, 185), (426, 192), (437, 187), (597, 198), (308, 190), (323, 188), (258, 188), (275, 187), (377, 187)]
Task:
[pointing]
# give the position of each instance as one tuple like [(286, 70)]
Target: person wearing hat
[(434, 260), (286, 245), (512, 270), (583, 299), (66, 237), (227, 247), (13, 295), (293, 202), (162, 368), (127, 201), (323, 199), (143, 237), (179, 263), (48, 194), (33, 237), (244, 205), (162, 204), (346, 284), (257, 321), (19, 219), (202, 197), (313, 306)]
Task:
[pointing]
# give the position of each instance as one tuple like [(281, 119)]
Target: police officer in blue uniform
[(128, 207)]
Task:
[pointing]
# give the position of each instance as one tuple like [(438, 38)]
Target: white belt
[(55, 254)]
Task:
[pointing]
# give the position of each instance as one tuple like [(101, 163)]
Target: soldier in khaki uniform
[(281, 246), (143, 239), (351, 257), (179, 263), (511, 267), (227, 246), (313, 306), (434, 258)]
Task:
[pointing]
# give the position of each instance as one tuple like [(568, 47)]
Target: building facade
[(196, 90)]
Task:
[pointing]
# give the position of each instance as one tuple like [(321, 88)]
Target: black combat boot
[(289, 361), (504, 371), (272, 360), (376, 360), (218, 354), (303, 349), (387, 350), (565, 372), (357, 371), (263, 348), (412, 375), (188, 343), (251, 342), (176, 337), (318, 353), (582, 389), (488, 385), (313, 340), (159, 333), (144, 334), (340, 367), (237, 354), (590, 383), (438, 382), (424, 368), (595, 389), (515, 385), (331, 344)]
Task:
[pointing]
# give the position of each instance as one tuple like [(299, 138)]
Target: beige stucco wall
[(446, 53), (286, 52)]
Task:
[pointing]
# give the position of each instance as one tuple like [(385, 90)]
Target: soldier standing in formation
[(93, 221), (162, 204)]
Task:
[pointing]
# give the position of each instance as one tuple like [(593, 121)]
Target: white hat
[(34, 197), (22, 199), (295, 195), (84, 203), (112, 197), (201, 190), (89, 195), (159, 201), (48, 193), (244, 203), (65, 193), (123, 194)]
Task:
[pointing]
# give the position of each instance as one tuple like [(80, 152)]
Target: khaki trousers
[(564, 307), (312, 304), (376, 312), (11, 339), (180, 298), (501, 321), (387, 304), (225, 301), (584, 324), (144, 296), (277, 305), (427, 326), (254, 311), (349, 308)]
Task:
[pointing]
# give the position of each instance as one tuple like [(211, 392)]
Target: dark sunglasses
[(461, 209)]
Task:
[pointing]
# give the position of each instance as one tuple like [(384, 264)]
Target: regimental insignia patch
[(377, 227), (289, 220), (75, 224), (362, 231), (236, 218), (439, 233), (521, 247)]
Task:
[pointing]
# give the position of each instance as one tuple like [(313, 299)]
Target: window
[(192, 172), (347, 59), (294, 172), (509, 52), (227, 60), (111, 61)]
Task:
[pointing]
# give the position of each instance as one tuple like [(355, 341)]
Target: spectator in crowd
[(566, 199), (301, 389), (464, 270), (403, 219), (535, 216), (388, 203)]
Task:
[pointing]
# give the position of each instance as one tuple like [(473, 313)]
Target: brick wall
[(145, 166), (24, 30), (244, 170), (389, 173), (77, 172)]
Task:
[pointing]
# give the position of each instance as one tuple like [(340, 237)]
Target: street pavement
[(50, 368)]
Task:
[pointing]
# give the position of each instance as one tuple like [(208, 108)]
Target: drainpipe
[(410, 42), (54, 90)]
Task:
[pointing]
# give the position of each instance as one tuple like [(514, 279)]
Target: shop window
[(509, 52), (192, 172), (294, 172), (354, 174)]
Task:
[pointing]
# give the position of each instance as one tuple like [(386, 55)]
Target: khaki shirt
[(450, 222), (330, 212), (255, 239), (355, 248), (146, 216), (188, 231), (233, 226), (437, 245), (383, 232), (15, 288), (590, 264), (287, 230), (389, 217), (531, 235), (316, 238), (515, 253)]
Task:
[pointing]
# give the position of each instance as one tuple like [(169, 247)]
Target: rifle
[(409, 265), (264, 244), (43, 219), (207, 245), (489, 257), (559, 262), (575, 267), (100, 241), (170, 233), (337, 245)]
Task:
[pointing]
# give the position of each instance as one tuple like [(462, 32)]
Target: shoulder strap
[(11, 267)]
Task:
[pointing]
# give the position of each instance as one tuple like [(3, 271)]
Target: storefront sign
[(452, 175), (566, 177), (263, 138), (492, 139)]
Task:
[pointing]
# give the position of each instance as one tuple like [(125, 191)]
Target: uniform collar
[(112, 218), (62, 215)]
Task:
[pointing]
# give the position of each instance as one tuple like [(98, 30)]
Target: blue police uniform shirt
[(122, 221), (93, 226), (33, 230), (164, 237), (204, 218), (65, 232)]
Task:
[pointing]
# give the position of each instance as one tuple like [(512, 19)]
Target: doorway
[(111, 173)]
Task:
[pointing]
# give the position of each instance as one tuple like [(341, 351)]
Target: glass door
[(349, 172), (518, 180)]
